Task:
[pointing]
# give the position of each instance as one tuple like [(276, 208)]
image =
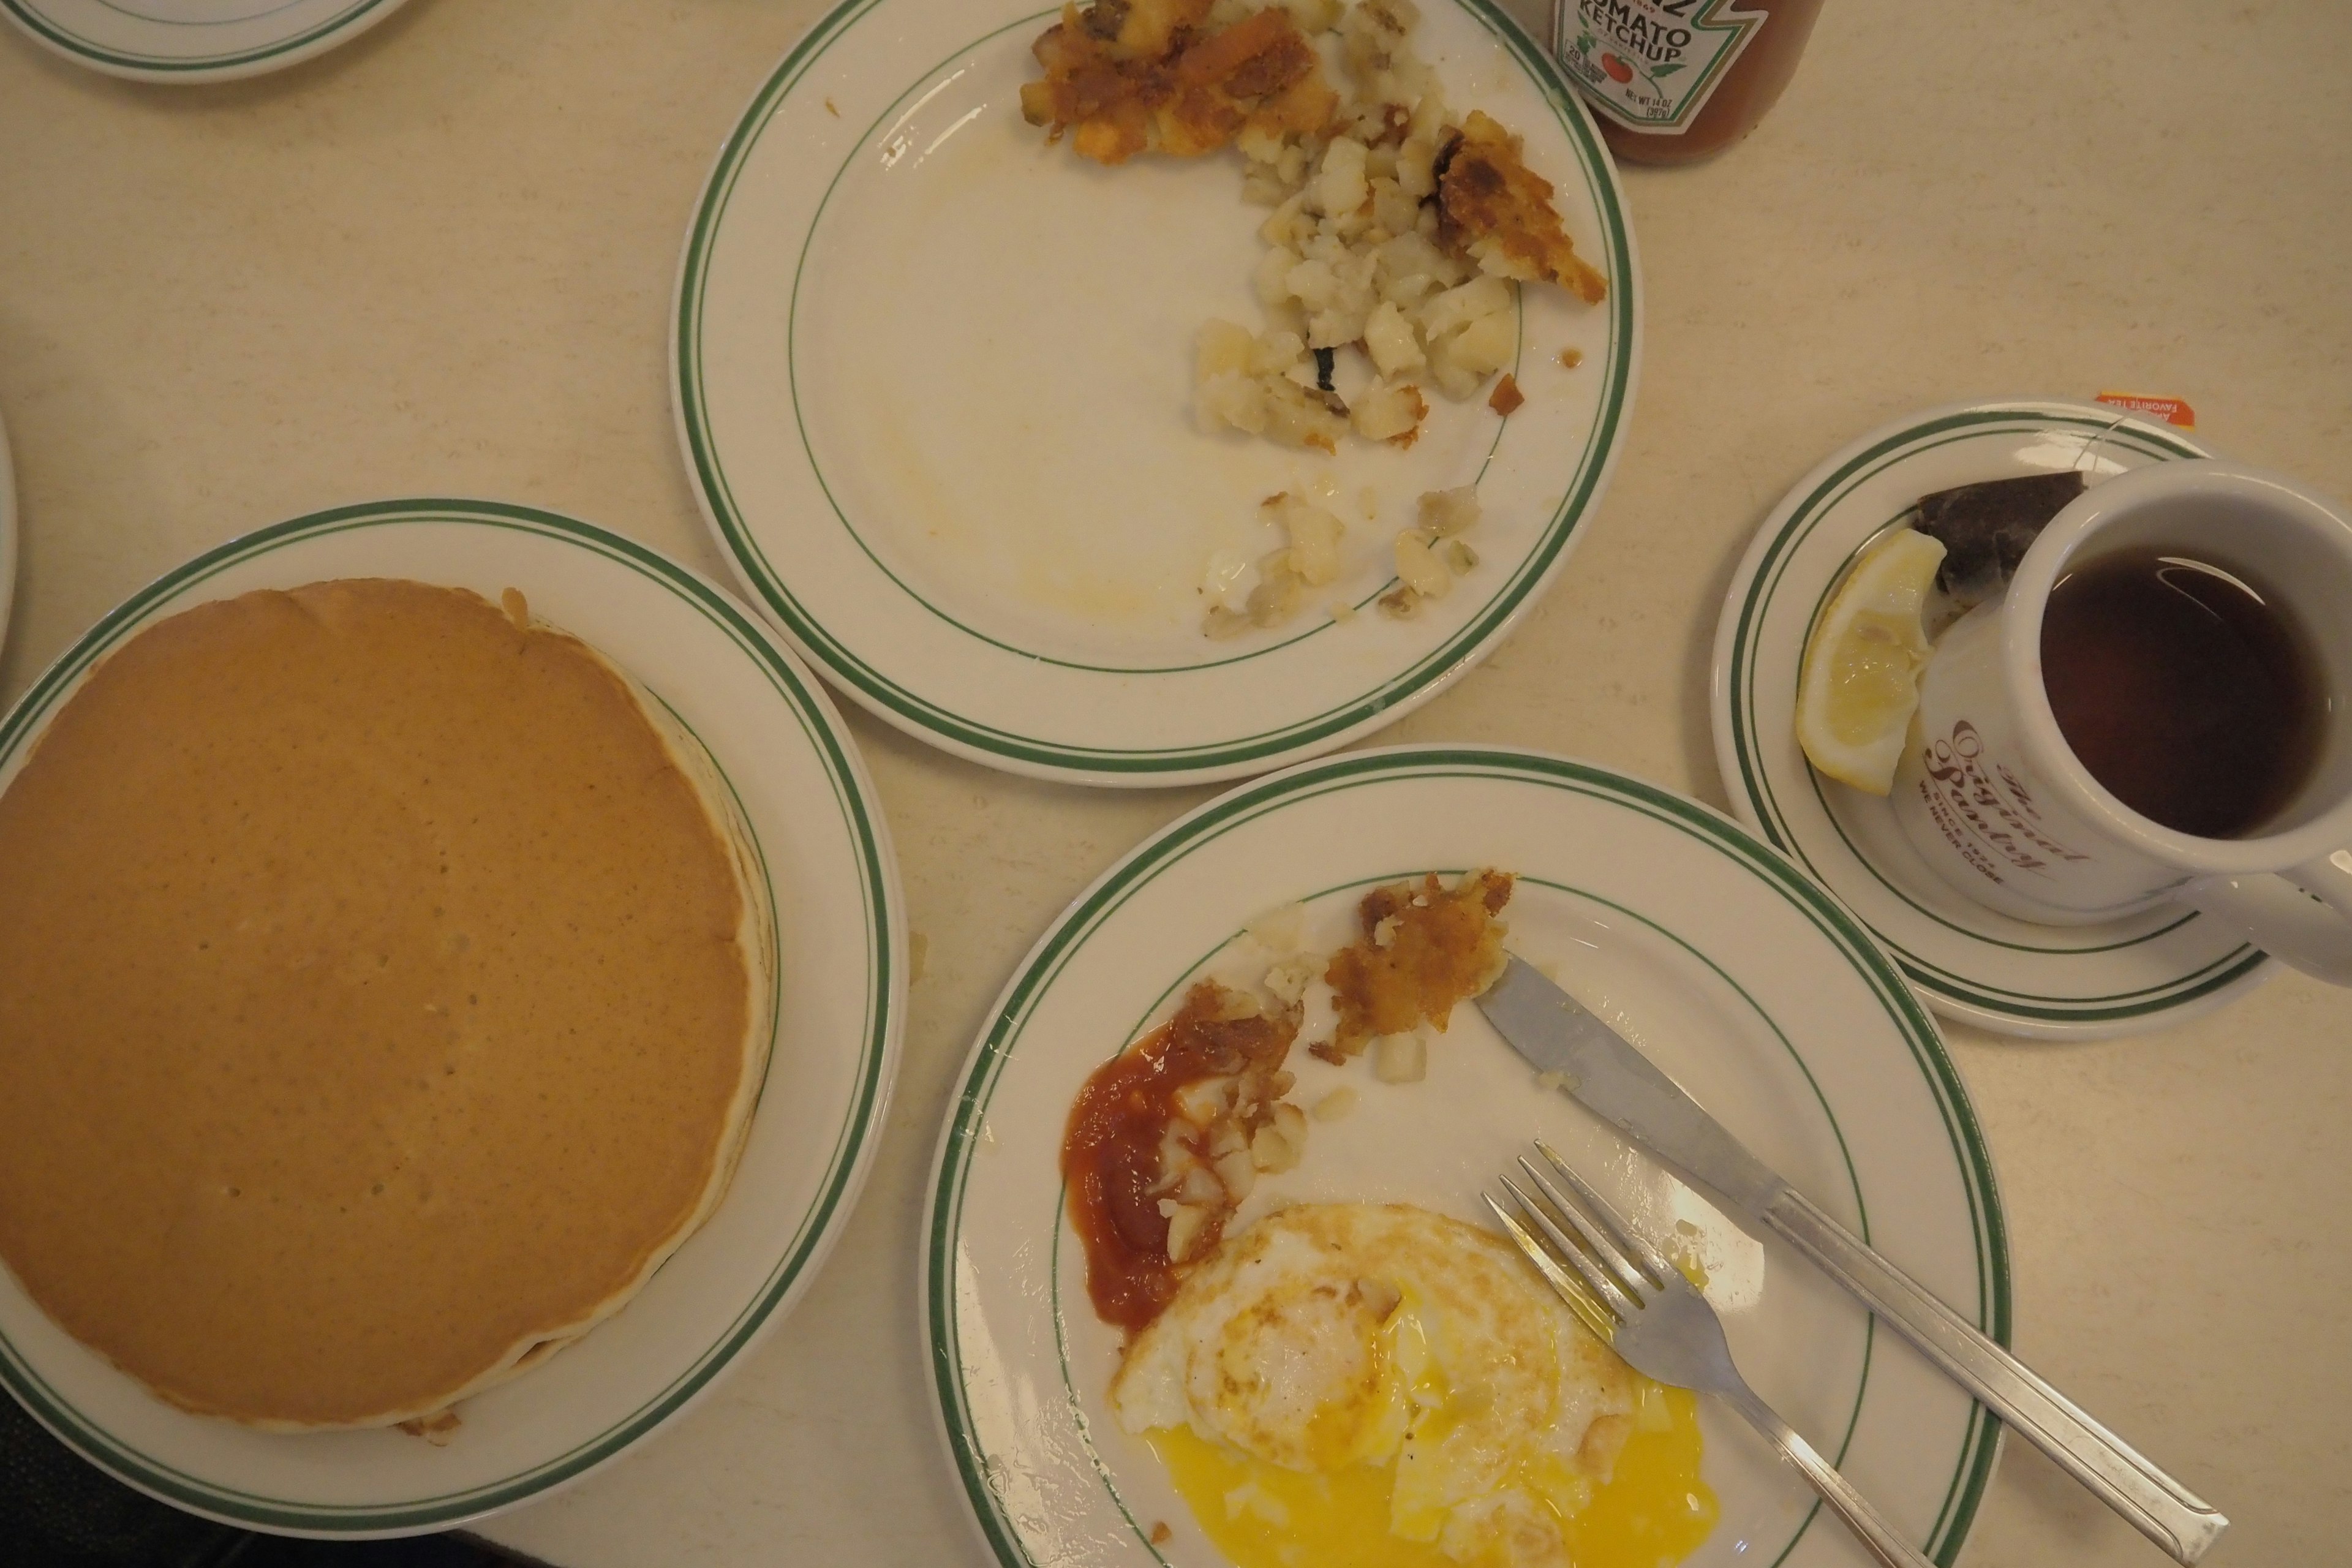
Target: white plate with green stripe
[(842, 992), (194, 40), (933, 380), (2144, 972), (1738, 975)]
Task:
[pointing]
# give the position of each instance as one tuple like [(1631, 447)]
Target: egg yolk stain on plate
[(1654, 1510), (1357, 1385)]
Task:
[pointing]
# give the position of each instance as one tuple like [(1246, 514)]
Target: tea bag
[(1986, 528)]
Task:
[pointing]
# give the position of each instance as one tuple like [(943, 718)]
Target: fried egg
[(1380, 1386)]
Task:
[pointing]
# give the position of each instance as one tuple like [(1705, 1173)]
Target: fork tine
[(1606, 1250), (1573, 1273), (1589, 1308), (1628, 1237), (1624, 1303)]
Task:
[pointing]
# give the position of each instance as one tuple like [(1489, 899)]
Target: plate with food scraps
[(194, 40), (2016, 978), (1230, 1050), (812, 849), (1015, 419)]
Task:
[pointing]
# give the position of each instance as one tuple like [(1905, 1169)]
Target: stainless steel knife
[(1596, 1065)]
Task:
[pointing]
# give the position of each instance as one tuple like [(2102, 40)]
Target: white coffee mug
[(1992, 797)]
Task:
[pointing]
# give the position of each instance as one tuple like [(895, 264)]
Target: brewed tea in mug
[(2185, 686)]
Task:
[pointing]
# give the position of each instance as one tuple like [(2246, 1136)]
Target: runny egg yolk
[(1654, 1510)]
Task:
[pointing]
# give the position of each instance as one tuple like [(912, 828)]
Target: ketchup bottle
[(1672, 81)]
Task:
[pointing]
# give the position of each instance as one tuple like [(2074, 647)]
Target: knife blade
[(1610, 1076), (1595, 1064)]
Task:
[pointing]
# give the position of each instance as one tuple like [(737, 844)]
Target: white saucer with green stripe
[(2018, 978), (194, 40), (830, 876), (933, 379), (1739, 976)]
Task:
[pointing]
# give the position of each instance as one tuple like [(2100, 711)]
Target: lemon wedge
[(1860, 680)]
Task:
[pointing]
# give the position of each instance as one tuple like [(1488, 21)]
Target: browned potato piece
[(1131, 76), (1499, 211)]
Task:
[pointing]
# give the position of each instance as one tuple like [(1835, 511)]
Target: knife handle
[(2159, 1506)]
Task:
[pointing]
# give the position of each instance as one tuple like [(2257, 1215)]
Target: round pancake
[(379, 1001)]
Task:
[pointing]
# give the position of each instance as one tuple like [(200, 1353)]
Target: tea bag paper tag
[(2170, 410)]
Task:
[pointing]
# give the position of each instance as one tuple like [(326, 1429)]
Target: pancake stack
[(384, 990)]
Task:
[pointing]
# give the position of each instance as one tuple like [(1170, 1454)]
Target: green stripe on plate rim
[(1845, 1156), (829, 653), (1756, 785), (175, 1485), (1974, 1468), (74, 44)]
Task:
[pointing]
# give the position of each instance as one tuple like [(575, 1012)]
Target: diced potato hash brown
[(1133, 76), (1424, 949), (1496, 208), (1364, 252), (1310, 558), (1232, 1126), (1398, 241), (1396, 231), (1428, 558)]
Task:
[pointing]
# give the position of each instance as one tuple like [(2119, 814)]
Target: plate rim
[(346, 24), (1425, 677), (1732, 681), (861, 1130), (973, 1081), (9, 529)]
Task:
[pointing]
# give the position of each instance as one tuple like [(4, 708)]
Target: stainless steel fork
[(1640, 1305)]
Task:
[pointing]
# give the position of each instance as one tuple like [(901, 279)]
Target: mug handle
[(2303, 915)]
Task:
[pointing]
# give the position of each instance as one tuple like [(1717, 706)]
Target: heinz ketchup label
[(1651, 65)]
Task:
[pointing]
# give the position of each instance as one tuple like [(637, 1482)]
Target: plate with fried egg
[(1207, 1278)]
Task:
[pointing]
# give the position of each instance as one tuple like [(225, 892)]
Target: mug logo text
[(1985, 814)]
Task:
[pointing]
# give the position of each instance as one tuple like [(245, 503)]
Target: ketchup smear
[(1110, 1152)]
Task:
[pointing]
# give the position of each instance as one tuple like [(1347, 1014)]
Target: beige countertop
[(439, 261)]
